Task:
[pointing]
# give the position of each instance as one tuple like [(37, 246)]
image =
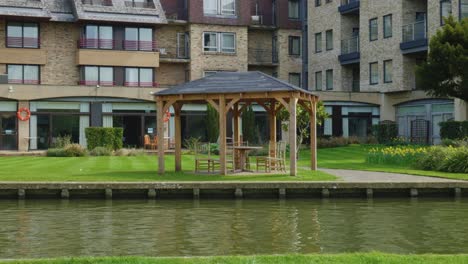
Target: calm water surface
[(30, 229)]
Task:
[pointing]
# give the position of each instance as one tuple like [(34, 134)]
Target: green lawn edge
[(355, 258)]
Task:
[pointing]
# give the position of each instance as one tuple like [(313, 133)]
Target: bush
[(55, 152), (101, 151), (454, 130), (332, 142), (400, 155), (74, 150), (448, 159), (192, 143), (108, 137), (456, 161), (129, 152), (385, 132), (61, 142), (454, 143)]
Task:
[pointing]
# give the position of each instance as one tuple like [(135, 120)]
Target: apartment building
[(81, 63), (361, 61)]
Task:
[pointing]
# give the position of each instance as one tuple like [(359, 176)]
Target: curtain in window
[(131, 39), (15, 74), (293, 9), (228, 7), (31, 74), (91, 75), (30, 35), (106, 37), (106, 76), (91, 38), (146, 39), (15, 35), (131, 77), (228, 42), (210, 6), (146, 77)]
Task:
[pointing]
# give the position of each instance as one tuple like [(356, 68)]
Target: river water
[(53, 228)]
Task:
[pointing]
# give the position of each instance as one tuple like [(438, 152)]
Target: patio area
[(233, 92)]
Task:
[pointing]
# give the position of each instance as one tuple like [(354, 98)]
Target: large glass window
[(445, 10), (294, 45), (329, 39), (388, 71), (373, 29), (387, 26), (98, 37), (293, 9), (463, 9), (25, 74), (94, 75), (318, 81), (138, 39), (219, 7), (22, 35), (210, 41), (295, 79), (374, 73), (142, 77), (228, 42), (318, 42), (219, 42), (329, 79)]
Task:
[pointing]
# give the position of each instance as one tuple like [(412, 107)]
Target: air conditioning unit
[(257, 20), (162, 51), (3, 78)]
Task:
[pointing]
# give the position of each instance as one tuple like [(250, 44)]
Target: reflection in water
[(54, 228)]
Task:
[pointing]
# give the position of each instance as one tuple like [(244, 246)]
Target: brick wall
[(196, 14), (287, 64), (170, 74)]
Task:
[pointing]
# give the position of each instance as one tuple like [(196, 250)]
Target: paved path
[(371, 176)]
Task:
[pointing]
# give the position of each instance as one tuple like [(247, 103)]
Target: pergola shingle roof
[(233, 82)]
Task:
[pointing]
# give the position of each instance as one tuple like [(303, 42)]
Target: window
[(219, 42), (25, 74), (387, 26), (295, 79), (318, 42), (219, 7), (373, 29), (374, 73), (293, 9), (138, 39), (388, 71), (329, 39), (97, 37), (94, 75), (294, 45), (22, 35), (318, 2), (463, 9), (136, 3), (318, 81), (445, 10), (142, 77), (329, 79)]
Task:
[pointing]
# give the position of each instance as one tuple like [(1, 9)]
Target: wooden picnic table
[(243, 155)]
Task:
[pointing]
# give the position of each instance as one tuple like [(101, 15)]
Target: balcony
[(174, 54), (263, 57), (112, 83), (110, 44), (22, 42), (414, 37), (349, 7), (97, 2), (21, 81), (350, 53), (137, 4), (141, 84)]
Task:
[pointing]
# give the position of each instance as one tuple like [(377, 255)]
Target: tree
[(303, 121), (248, 125), (212, 124), (445, 72)]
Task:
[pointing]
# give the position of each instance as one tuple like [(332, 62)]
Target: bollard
[(458, 192), (196, 193), (282, 193), (414, 192), (370, 193), (21, 193), (108, 193), (65, 194), (325, 193), (238, 193), (152, 193)]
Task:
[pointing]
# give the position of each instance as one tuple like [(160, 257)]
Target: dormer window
[(219, 7), (139, 3)]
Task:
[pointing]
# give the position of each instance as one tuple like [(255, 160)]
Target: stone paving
[(372, 176)]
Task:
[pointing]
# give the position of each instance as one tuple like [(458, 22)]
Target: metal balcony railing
[(89, 43), (101, 83), (262, 56), (23, 81), (97, 2), (137, 4), (141, 84), (415, 31), (349, 46), (22, 42), (139, 45), (174, 52)]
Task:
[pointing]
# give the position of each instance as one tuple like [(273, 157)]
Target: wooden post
[(160, 134), (236, 139), (272, 120), (313, 135), (222, 135), (178, 137), (292, 136)]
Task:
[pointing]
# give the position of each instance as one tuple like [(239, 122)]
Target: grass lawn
[(353, 157), (140, 168), (374, 258)]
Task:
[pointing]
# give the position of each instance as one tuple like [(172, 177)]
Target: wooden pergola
[(233, 92)]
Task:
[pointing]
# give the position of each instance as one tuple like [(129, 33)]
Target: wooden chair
[(276, 162), (148, 144), (155, 142), (203, 160)]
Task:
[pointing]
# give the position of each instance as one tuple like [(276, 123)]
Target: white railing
[(350, 45), (414, 31)]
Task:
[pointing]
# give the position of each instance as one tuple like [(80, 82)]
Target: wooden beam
[(168, 104), (213, 103), (222, 134), (292, 137), (160, 134), (262, 104), (231, 103), (308, 108), (313, 137), (282, 101), (247, 104), (178, 136)]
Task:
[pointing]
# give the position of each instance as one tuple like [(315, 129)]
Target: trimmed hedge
[(385, 132), (108, 137), (454, 129)]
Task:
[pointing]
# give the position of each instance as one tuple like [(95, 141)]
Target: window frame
[(460, 5), (22, 73), (376, 28), (298, 10), (291, 39), (327, 41), (22, 34), (220, 10), (318, 42), (296, 74), (219, 43), (153, 82), (441, 2), (318, 73), (138, 41), (385, 70), (370, 73), (328, 88), (385, 33), (83, 75)]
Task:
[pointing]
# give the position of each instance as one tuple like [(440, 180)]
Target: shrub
[(74, 150), (332, 142), (129, 152), (400, 155), (456, 161), (192, 143), (454, 143), (55, 152), (432, 159), (101, 151), (109, 137), (61, 142), (454, 129), (448, 159), (385, 131)]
